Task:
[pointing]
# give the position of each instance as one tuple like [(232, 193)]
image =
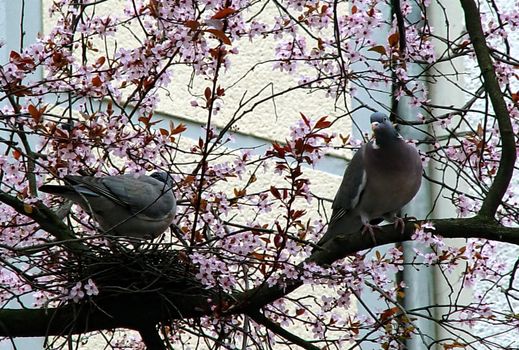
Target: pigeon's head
[(383, 129), (164, 177)]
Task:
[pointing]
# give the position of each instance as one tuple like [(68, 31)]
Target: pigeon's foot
[(371, 229), (399, 224)]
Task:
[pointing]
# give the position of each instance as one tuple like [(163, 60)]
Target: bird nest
[(148, 271)]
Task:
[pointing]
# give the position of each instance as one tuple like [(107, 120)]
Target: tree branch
[(151, 338), (138, 310), (397, 11), (259, 318), (508, 155), (342, 246), (47, 220)]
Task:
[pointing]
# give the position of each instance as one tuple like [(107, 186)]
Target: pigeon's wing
[(351, 188), (95, 187), (142, 195)]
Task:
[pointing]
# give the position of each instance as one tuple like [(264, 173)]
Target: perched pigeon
[(383, 176), (124, 205)]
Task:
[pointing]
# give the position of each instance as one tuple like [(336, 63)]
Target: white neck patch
[(375, 145)]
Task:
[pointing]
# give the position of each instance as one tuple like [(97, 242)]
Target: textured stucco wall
[(268, 120)]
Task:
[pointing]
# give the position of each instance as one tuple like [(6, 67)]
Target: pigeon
[(139, 207), (383, 176)]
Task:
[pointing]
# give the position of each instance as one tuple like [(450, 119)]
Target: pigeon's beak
[(374, 125)]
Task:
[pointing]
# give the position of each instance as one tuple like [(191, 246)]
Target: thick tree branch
[(397, 10), (151, 338), (508, 154), (47, 220), (138, 310), (342, 246)]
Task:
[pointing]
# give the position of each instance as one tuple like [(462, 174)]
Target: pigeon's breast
[(393, 179)]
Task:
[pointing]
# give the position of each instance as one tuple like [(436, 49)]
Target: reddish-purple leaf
[(220, 35), (223, 13)]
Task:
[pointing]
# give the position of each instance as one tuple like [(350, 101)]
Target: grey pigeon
[(382, 177), (124, 205)]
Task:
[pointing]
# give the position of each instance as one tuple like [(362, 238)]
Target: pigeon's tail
[(74, 192), (344, 226), (56, 189)]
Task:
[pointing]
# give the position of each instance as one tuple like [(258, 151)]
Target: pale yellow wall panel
[(270, 120)]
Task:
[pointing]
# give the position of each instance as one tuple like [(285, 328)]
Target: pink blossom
[(76, 293), (91, 288)]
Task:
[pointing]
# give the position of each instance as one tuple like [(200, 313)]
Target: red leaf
[(388, 313), (163, 132), (305, 119), (278, 241), (322, 123), (296, 214), (19, 61), (239, 193), (154, 8), (309, 148), (223, 13), (145, 120), (259, 256), (393, 39), (299, 146), (220, 35), (17, 154), (344, 139), (296, 172), (265, 239), (193, 25), (148, 83), (96, 81), (100, 61), (275, 192), (354, 9), (58, 59), (178, 129), (34, 112), (379, 48), (279, 149), (14, 56), (299, 312), (109, 108), (60, 133), (320, 44), (324, 9), (207, 93)]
